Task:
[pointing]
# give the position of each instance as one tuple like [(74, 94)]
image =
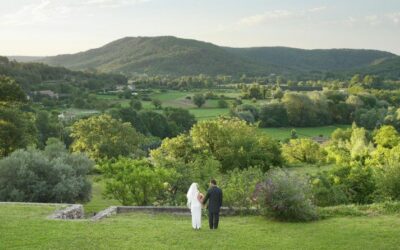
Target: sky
[(51, 27)]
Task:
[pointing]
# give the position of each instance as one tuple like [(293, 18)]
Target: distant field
[(204, 113), (283, 133)]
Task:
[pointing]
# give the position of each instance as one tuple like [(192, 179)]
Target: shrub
[(240, 187), (302, 150), (325, 193), (246, 116), (52, 175), (356, 182), (250, 108), (222, 103), (388, 182), (136, 104), (134, 181), (199, 100), (287, 197), (157, 103)]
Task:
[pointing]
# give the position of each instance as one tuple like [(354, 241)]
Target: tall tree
[(104, 137)]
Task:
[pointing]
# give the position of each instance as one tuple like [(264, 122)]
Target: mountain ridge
[(170, 55)]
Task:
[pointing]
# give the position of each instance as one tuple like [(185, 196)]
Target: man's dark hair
[(214, 182)]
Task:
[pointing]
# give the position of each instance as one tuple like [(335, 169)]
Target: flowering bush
[(287, 197)]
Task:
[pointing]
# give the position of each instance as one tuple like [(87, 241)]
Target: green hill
[(307, 60), (161, 55), (176, 56), (389, 68), (32, 75)]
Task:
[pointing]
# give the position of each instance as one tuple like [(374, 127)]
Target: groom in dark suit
[(214, 194)]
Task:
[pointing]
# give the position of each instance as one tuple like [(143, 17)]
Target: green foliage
[(222, 103), (301, 110), (136, 104), (31, 76), (134, 181), (235, 144), (388, 181), (132, 116), (303, 151), (104, 137), (240, 187), (287, 197), (17, 129), (344, 150), (387, 136), (384, 208), (155, 123), (326, 192), (48, 126), (273, 114), (190, 164), (10, 91), (199, 100), (341, 134), (52, 175), (157, 103), (179, 119), (357, 182)]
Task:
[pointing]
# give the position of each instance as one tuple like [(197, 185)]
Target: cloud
[(317, 9), (373, 20), (113, 3), (394, 17), (278, 14), (42, 11), (35, 13), (269, 15)]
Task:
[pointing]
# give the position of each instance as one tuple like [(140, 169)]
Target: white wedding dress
[(194, 204)]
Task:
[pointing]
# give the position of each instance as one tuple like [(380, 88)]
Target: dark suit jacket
[(214, 194)]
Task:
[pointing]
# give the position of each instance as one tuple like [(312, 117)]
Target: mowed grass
[(207, 113), (26, 227), (284, 133), (98, 202)]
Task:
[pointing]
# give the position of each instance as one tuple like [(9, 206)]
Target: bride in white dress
[(194, 199)]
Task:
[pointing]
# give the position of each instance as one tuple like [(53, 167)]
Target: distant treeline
[(31, 75)]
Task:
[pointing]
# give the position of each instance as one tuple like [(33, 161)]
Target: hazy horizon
[(52, 27)]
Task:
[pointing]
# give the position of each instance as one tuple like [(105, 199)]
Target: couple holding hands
[(195, 201)]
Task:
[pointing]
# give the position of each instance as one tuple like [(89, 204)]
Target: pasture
[(309, 132)]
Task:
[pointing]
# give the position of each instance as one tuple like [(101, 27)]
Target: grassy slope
[(282, 133), (98, 202), (24, 227)]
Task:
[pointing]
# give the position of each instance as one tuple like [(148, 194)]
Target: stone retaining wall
[(72, 212), (152, 209), (76, 211), (105, 213)]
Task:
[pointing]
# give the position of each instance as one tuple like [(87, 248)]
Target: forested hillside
[(162, 55), (318, 59), (30, 75), (175, 56)]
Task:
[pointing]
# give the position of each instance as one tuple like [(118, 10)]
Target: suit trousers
[(213, 219)]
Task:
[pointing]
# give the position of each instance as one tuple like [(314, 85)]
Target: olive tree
[(52, 175)]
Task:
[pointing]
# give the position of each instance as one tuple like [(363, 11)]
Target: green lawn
[(283, 133), (26, 227), (98, 202), (207, 113)]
